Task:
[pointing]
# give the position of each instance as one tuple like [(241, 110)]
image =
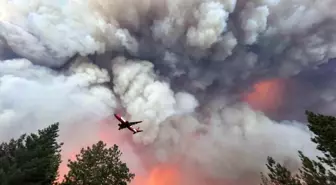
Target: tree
[(31, 160), (321, 172), (98, 165), (278, 175)]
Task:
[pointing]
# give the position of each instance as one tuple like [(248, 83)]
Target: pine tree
[(31, 160), (321, 172), (98, 165), (278, 175)]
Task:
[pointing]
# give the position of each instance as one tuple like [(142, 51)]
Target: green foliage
[(278, 174), (35, 159), (324, 127), (31, 160), (321, 172), (98, 165)]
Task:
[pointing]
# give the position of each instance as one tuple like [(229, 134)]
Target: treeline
[(320, 172), (34, 160)]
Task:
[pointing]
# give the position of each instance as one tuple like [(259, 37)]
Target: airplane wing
[(134, 122)]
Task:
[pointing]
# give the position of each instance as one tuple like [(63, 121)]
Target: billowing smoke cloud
[(34, 97), (142, 95), (181, 66)]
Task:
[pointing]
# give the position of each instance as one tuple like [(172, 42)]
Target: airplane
[(126, 124)]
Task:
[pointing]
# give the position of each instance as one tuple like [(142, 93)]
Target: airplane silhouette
[(126, 124)]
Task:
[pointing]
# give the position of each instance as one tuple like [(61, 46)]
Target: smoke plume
[(197, 72)]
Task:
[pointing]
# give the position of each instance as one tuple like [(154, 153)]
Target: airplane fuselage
[(132, 129), (125, 125), (122, 126)]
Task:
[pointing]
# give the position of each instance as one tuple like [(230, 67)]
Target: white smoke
[(244, 141), (254, 20), (212, 22), (142, 95), (197, 59), (34, 97)]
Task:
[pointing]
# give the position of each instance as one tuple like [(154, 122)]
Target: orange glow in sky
[(106, 133), (162, 174), (266, 96)]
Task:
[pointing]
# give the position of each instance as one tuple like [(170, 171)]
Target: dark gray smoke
[(181, 66)]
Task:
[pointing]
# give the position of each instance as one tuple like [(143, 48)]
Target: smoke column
[(220, 85)]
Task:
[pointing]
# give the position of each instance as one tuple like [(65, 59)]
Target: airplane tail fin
[(138, 130)]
